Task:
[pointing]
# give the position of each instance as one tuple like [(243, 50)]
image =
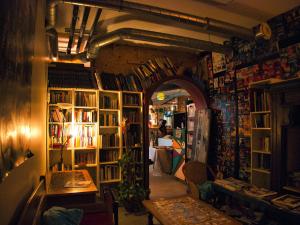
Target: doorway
[(169, 134)]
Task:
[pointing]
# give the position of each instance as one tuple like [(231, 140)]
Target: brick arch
[(197, 94)]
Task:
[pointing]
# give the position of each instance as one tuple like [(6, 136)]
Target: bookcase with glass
[(72, 129), (260, 137), (132, 112), (109, 136)]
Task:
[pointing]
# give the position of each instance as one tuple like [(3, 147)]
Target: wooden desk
[(185, 211), (63, 187)]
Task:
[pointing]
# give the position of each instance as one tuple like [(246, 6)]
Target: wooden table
[(71, 187), (185, 211)]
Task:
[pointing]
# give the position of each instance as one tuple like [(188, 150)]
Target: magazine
[(258, 192), (287, 201), (77, 184)]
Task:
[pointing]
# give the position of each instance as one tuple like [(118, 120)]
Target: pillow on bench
[(59, 215)]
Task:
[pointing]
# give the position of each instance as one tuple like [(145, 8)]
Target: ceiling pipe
[(72, 28), (85, 17), (97, 16), (53, 42), (207, 24), (125, 34)]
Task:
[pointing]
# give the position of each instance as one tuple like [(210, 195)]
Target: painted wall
[(18, 184)]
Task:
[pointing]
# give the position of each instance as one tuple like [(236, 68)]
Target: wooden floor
[(161, 187)]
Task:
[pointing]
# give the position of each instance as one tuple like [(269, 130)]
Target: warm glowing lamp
[(160, 96), (64, 107)]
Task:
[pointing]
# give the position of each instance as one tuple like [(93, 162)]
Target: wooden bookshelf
[(191, 110), (73, 115), (261, 133), (110, 136)]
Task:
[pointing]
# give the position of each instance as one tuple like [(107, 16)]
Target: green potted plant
[(130, 192)]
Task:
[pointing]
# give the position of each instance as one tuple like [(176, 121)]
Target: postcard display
[(253, 61)]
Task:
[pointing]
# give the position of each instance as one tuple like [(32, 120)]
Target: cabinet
[(260, 137)]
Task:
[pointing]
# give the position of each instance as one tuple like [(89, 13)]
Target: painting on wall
[(17, 24)]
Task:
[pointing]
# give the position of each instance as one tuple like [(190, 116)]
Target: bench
[(97, 213)]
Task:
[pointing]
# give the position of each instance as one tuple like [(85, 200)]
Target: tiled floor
[(163, 186)]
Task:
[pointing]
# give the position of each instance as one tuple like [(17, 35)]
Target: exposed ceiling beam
[(72, 28), (86, 14)]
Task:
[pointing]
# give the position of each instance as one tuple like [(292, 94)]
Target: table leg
[(150, 219)]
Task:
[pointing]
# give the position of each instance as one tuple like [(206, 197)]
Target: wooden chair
[(195, 173)]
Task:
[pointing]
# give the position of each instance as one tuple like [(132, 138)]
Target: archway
[(197, 94)]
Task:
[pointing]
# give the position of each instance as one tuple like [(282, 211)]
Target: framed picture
[(218, 62)]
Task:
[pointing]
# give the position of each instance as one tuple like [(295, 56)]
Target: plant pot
[(133, 205)]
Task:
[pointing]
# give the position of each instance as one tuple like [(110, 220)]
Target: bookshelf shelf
[(108, 127), (261, 170), (107, 163), (85, 148), (132, 106), (261, 112), (261, 152), (110, 181), (261, 129), (109, 110), (85, 165), (84, 107)]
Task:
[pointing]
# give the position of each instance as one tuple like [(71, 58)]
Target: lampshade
[(160, 96)]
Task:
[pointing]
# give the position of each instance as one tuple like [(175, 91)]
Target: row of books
[(154, 70), (261, 121), (132, 116), (110, 81), (84, 131), (108, 119), (55, 115), (109, 172), (261, 161), (85, 158), (84, 141), (60, 97), (109, 102), (261, 101), (131, 99), (108, 140), (85, 99), (136, 154), (263, 144), (55, 130), (133, 138), (85, 116), (109, 155)]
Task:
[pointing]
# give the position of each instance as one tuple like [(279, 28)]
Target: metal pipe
[(155, 37), (82, 27), (72, 28), (97, 16), (207, 24), (53, 42)]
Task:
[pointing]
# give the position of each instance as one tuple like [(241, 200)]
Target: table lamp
[(64, 107)]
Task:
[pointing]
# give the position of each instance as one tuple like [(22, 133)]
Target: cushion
[(62, 216)]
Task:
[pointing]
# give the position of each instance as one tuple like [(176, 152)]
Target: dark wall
[(17, 27), (23, 93)]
